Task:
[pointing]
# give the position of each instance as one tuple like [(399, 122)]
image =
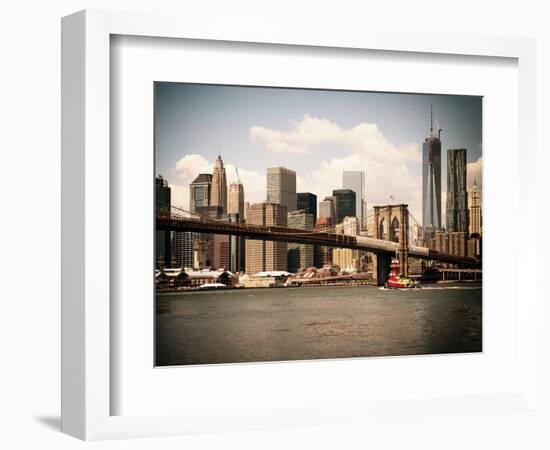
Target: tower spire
[(431, 120)]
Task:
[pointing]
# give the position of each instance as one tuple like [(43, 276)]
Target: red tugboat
[(396, 281)]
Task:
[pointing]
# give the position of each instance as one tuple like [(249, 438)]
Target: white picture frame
[(86, 222)]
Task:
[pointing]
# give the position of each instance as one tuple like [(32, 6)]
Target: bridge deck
[(171, 222)]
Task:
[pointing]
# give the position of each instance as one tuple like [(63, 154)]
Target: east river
[(249, 325)]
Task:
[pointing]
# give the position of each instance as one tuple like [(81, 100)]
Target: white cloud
[(190, 166), (386, 164), (389, 167), (308, 132), (182, 174), (180, 196)]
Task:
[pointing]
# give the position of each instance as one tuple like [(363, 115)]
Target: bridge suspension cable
[(176, 211)]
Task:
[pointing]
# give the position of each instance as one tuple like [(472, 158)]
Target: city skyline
[(364, 131)]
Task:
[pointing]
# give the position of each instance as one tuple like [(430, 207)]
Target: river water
[(250, 325)]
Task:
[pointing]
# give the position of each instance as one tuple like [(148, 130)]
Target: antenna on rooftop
[(439, 129)]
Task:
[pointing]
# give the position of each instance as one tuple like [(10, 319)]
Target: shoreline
[(442, 283)]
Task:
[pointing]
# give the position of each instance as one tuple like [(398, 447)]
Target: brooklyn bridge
[(392, 236)]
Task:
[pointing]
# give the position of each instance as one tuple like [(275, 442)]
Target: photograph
[(296, 224)]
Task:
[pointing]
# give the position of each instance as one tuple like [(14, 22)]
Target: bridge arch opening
[(394, 230), (383, 229)]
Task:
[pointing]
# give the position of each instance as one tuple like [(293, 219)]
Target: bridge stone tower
[(391, 224)]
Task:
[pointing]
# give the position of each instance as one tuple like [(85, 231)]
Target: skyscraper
[(431, 182), (222, 252), (236, 212), (163, 198), (457, 197), (211, 213), (355, 181), (266, 255), (281, 187), (344, 204), (218, 195), (327, 209), (184, 244), (236, 200), (323, 255), (228, 249), (199, 191), (475, 210), (300, 256), (308, 202)]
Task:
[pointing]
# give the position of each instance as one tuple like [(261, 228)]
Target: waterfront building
[(431, 182), (201, 254), (457, 196), (355, 181), (308, 202), (475, 210), (218, 194), (281, 187), (474, 246), (300, 256), (166, 278), (266, 255), (183, 248), (199, 191), (199, 278), (347, 259), (192, 278), (264, 279), (163, 200), (458, 243), (450, 242), (344, 204)]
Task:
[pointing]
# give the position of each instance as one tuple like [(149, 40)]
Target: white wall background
[(30, 197)]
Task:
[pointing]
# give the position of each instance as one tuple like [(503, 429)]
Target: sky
[(317, 133)]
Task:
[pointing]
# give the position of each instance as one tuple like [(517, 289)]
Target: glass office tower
[(431, 183)]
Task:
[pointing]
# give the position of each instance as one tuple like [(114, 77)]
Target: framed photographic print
[(348, 169), (268, 229)]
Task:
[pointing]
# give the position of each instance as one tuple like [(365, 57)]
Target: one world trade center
[(431, 182)]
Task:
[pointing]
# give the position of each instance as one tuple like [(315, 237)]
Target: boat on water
[(212, 286), (396, 281)]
